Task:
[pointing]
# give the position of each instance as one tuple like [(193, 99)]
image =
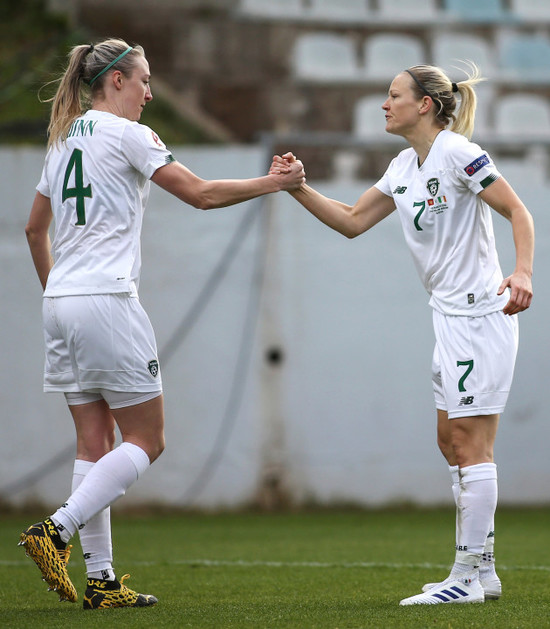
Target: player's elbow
[(203, 198), (205, 203), (33, 233), (351, 233), (351, 228)]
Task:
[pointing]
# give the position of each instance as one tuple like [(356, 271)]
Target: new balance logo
[(400, 190), (466, 401)]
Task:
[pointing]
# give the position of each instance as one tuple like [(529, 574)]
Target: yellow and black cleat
[(44, 546), (105, 594)]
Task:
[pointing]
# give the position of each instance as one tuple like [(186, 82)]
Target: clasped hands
[(290, 168)]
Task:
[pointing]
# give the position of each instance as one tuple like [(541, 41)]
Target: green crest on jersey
[(433, 186)]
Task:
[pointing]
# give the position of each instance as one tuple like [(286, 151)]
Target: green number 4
[(469, 364), (79, 192)]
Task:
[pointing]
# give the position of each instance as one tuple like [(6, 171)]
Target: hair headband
[(454, 86), (420, 85), (108, 67)]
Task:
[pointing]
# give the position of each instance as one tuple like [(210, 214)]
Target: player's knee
[(156, 447), (445, 446)]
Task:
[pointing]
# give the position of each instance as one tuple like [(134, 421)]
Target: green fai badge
[(153, 367), (433, 186)]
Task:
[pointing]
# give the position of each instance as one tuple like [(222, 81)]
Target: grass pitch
[(307, 570)]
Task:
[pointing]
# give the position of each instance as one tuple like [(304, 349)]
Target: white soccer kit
[(98, 185), (449, 231), (96, 332), (448, 228)]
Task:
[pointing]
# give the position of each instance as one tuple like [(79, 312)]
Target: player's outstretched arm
[(349, 220), (207, 194)]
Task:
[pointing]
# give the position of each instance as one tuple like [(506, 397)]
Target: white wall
[(346, 417)]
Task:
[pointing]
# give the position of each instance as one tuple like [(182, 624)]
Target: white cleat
[(491, 585), (466, 589)]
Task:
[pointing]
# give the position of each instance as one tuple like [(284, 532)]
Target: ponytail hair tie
[(90, 49), (454, 87)]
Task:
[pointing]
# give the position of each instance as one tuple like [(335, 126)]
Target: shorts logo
[(433, 186), (153, 367), (471, 298), (466, 401), (478, 163)]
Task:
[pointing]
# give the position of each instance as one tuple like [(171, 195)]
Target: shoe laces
[(64, 555)]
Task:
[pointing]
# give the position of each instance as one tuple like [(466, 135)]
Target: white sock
[(455, 479), (487, 565), (476, 507), (95, 536), (107, 481)]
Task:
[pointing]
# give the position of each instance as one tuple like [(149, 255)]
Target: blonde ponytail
[(435, 83)]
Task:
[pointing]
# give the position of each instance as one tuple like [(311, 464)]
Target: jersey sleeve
[(384, 184), (144, 149), (474, 167), (43, 185)]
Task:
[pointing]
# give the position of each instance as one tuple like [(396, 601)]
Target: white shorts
[(114, 399), (473, 363), (96, 342)]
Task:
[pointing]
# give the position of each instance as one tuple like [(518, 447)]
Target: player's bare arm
[(502, 198), (38, 236), (208, 194), (349, 220)]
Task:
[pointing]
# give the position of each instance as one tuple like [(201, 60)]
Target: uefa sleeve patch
[(478, 163), (157, 140)]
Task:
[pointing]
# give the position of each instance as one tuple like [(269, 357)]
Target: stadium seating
[(407, 10), (355, 10), (475, 10), (274, 9), (449, 49), (386, 55), (485, 93), (531, 10), (524, 117), (360, 45), (368, 117), (525, 58), (325, 57)]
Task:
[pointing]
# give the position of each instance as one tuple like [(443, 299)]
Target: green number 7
[(464, 363), (79, 192), (422, 206)]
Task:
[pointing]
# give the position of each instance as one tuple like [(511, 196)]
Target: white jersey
[(98, 185), (447, 226)]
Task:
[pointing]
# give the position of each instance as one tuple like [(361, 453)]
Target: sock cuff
[(455, 473), (481, 471), (468, 559), (82, 467), (137, 455)]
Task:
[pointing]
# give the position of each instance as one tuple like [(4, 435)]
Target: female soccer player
[(100, 346), (442, 187)]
